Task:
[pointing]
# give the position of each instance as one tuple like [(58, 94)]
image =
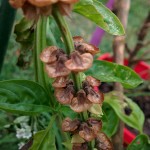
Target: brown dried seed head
[(65, 95), (92, 81), (58, 68), (17, 3), (69, 125), (79, 62), (42, 3), (103, 142), (80, 103), (87, 132), (48, 55), (95, 124)]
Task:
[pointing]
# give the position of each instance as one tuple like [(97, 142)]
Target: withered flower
[(49, 54), (69, 125), (83, 47), (86, 132), (103, 142), (80, 103), (96, 97), (58, 68), (80, 146), (17, 3), (66, 94), (60, 82), (92, 81), (95, 124), (79, 62)]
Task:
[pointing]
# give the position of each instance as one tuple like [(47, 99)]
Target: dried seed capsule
[(42, 3), (103, 142), (79, 62), (87, 132), (69, 125), (80, 103), (95, 124), (58, 68), (66, 94), (17, 3)]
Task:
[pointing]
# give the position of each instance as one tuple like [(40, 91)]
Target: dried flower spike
[(69, 125), (79, 62), (80, 103)]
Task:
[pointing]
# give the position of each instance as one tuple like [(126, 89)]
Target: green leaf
[(140, 143), (23, 97), (101, 15), (112, 72), (110, 120), (131, 120), (45, 139)]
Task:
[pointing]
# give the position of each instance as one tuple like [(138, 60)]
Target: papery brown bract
[(95, 124), (60, 82), (66, 94), (92, 81), (80, 103), (69, 125), (78, 63), (82, 146), (58, 68), (86, 132), (17, 3), (103, 142), (48, 55)]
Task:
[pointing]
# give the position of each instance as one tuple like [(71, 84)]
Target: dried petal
[(42, 3), (103, 142), (87, 132), (17, 3), (48, 55), (80, 103), (95, 124), (79, 62), (60, 82), (69, 125), (57, 69), (83, 146), (65, 95), (92, 81)]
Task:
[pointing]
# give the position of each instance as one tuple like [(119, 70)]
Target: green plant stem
[(7, 17), (40, 43), (68, 42)]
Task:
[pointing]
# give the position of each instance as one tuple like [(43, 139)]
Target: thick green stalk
[(7, 17), (68, 42), (40, 43)]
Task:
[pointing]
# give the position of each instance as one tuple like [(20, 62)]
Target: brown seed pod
[(58, 68), (103, 142), (60, 82), (48, 55), (81, 146), (86, 132), (79, 62), (92, 81), (95, 124), (17, 3), (69, 125), (42, 3), (80, 103), (66, 94)]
